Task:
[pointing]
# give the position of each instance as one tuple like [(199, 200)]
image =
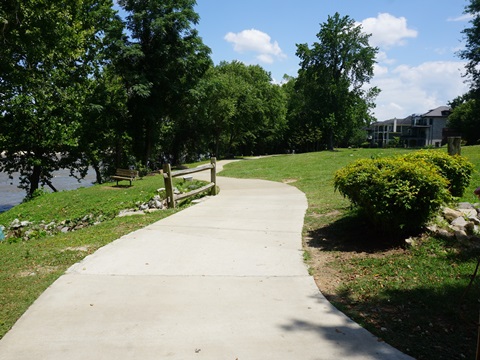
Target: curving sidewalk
[(223, 279)]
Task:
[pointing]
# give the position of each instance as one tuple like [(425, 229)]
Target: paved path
[(223, 279)]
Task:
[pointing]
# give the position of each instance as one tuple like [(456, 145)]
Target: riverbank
[(11, 195)]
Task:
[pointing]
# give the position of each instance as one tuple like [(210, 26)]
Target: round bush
[(396, 195)]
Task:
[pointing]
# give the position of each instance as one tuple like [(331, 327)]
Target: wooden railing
[(168, 176)]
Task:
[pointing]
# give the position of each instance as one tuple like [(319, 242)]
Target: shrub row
[(400, 194)]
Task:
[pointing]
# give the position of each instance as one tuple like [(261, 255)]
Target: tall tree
[(332, 78), (165, 58), (49, 51)]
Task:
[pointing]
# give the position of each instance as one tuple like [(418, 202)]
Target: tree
[(464, 117), (49, 52), (239, 108), (332, 78), (300, 135), (471, 52), (163, 60), (103, 143)]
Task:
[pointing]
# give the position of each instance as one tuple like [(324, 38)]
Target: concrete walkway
[(223, 279)]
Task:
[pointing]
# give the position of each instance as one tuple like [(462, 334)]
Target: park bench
[(125, 174)]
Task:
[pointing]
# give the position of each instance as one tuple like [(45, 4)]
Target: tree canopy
[(332, 77), (163, 59), (49, 50), (81, 87), (471, 52), (240, 109), (464, 117)]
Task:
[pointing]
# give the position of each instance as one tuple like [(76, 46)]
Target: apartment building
[(413, 131)]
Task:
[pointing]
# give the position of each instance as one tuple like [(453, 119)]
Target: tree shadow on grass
[(423, 322), (426, 322), (351, 233)]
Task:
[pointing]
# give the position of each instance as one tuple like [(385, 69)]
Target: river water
[(11, 195)]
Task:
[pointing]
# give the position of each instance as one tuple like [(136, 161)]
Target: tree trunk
[(49, 183), (330, 141), (35, 179), (98, 173)]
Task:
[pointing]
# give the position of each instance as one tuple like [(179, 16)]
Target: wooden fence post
[(213, 175), (167, 175), (454, 145)]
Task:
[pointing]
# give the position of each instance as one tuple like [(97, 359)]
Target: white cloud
[(465, 17), (258, 42), (388, 30), (379, 70), (383, 57), (416, 89), (265, 58)]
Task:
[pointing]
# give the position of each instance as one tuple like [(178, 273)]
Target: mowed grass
[(415, 298)]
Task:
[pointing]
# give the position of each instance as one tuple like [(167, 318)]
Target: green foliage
[(46, 65), (471, 52), (332, 80), (465, 119), (456, 169), (394, 194), (160, 62), (239, 109)]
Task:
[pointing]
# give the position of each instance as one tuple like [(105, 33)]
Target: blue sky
[(417, 68)]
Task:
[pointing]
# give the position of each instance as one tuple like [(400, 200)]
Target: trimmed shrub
[(395, 195), (456, 169)]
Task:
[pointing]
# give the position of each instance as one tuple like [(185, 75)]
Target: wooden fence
[(168, 176)]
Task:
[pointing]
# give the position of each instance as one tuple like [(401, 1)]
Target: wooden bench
[(125, 174)]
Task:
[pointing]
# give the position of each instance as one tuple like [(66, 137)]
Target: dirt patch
[(41, 270), (289, 181), (77, 248), (322, 263)]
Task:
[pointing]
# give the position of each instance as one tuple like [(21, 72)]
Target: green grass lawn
[(410, 297)]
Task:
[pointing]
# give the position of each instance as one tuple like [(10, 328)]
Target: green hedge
[(396, 194)]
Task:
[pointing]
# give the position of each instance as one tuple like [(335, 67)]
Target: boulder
[(450, 214), (459, 223), (445, 234), (469, 212), (465, 205)]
